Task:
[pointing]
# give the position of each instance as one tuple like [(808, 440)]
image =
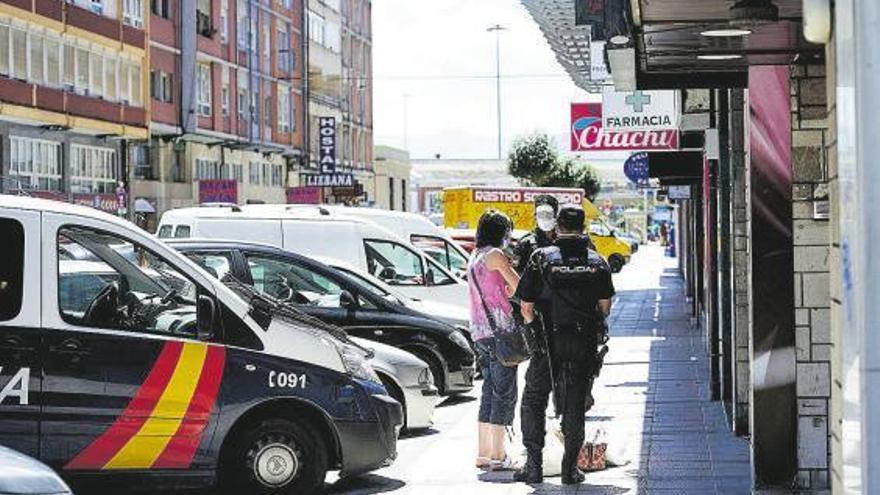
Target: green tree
[(588, 180), (534, 160)]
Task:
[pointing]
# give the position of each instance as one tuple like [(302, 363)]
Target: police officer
[(574, 282), (546, 209)]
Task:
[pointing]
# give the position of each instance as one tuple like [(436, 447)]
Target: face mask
[(546, 224), (545, 217)]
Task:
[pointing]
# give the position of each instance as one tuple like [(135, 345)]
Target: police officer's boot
[(533, 472), (571, 475)]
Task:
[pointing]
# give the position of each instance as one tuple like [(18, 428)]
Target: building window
[(130, 85), (161, 86), (277, 175), (204, 96), (284, 49), (36, 59), (96, 74), (241, 24), (82, 70), (316, 28), (224, 21), (160, 8), (19, 54), (53, 62), (287, 4), (35, 163), (391, 193), (242, 95), (133, 13), (254, 173), (69, 74), (92, 169), (4, 49), (232, 171), (224, 90), (143, 166), (203, 18), (267, 110), (267, 44), (403, 194), (111, 87), (283, 108), (207, 169)]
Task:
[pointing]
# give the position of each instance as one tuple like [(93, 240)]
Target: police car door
[(127, 384), (20, 330)]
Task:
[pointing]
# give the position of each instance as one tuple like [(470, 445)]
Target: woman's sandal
[(484, 463), (506, 464)]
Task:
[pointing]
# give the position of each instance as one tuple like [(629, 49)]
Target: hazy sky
[(439, 53)]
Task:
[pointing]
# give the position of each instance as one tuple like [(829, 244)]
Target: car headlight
[(460, 340), (355, 362)]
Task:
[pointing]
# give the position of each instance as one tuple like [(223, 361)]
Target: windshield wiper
[(266, 307)]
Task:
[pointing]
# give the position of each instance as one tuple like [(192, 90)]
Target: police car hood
[(21, 475)]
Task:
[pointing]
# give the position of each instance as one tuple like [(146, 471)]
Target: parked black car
[(332, 296)]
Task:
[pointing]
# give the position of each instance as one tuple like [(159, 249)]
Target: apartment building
[(73, 96), (340, 86), (226, 98)]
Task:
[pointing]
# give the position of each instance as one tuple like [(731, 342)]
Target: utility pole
[(497, 28)]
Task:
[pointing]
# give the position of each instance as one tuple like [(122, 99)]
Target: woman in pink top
[(492, 280)]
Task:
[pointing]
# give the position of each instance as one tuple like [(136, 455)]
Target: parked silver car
[(408, 379), (22, 475)]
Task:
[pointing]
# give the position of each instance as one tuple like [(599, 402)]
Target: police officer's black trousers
[(573, 357)]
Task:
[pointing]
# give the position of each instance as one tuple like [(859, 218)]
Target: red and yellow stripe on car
[(163, 424)]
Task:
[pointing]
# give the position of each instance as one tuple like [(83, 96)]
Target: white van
[(121, 358), (362, 243), (412, 227)]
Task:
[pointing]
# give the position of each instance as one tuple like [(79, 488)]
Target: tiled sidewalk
[(658, 372)]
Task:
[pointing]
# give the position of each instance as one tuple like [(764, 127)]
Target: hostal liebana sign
[(592, 131)]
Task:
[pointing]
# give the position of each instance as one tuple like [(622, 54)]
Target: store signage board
[(588, 133), (636, 168), (640, 110), (525, 196), (328, 180), (327, 151), (218, 191), (304, 195), (679, 192)]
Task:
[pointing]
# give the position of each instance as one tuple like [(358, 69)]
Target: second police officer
[(571, 284), (546, 209)]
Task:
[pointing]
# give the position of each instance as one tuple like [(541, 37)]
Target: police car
[(121, 358)]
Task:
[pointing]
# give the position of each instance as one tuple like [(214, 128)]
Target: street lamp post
[(497, 28)]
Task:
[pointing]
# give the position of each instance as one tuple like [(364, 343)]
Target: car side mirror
[(205, 316), (429, 276), (388, 273), (347, 300)]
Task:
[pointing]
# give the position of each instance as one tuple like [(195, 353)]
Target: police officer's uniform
[(569, 278)]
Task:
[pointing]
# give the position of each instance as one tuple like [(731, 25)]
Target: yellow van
[(464, 205)]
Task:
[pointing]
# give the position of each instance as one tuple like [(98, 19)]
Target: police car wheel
[(279, 457), (616, 263)]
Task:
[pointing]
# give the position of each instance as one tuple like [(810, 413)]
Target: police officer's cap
[(571, 218), (546, 199)]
